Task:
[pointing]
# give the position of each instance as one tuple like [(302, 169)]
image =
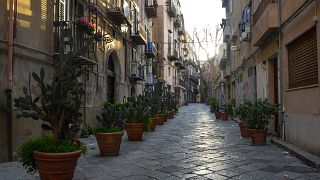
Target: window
[(63, 10), (169, 71), (303, 60)]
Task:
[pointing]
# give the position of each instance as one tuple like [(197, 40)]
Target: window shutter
[(62, 13), (303, 60)]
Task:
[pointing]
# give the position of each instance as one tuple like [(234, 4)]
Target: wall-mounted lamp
[(107, 38)]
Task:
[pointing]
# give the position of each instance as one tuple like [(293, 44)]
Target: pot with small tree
[(151, 102), (259, 113), (137, 117), (241, 112), (109, 133), (227, 110)]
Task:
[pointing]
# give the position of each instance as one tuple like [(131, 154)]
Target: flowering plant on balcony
[(85, 26), (98, 36)]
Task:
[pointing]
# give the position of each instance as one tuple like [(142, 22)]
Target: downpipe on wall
[(9, 86)]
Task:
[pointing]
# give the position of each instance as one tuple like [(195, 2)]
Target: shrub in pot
[(136, 118), (242, 111), (212, 102), (228, 110), (257, 118), (109, 133)]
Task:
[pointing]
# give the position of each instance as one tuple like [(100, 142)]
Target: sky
[(203, 14)]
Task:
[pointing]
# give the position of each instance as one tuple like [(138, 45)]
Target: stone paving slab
[(193, 145)]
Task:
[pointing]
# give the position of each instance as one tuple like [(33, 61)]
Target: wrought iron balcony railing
[(151, 8), (138, 35), (151, 50)]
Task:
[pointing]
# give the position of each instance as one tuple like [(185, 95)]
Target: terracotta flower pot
[(244, 130), (152, 124), (218, 115), (56, 165), (109, 143), (170, 115), (258, 136), (161, 119), (224, 116), (134, 131)]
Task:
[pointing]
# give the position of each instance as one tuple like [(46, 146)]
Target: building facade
[(272, 53), (129, 59), (170, 35)]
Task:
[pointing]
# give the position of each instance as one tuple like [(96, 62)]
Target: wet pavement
[(193, 145)]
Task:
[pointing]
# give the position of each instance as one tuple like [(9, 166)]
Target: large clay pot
[(161, 119), (52, 166), (258, 136), (171, 115), (244, 130), (134, 131), (109, 143), (218, 115), (224, 116), (152, 124)]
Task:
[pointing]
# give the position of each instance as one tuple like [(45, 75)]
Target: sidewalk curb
[(308, 158)]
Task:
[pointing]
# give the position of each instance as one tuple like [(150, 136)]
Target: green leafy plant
[(256, 113), (213, 104), (229, 107), (112, 118), (45, 144)]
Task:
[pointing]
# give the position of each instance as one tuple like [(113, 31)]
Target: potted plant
[(227, 109), (159, 99), (137, 115), (242, 111), (212, 102), (217, 112), (109, 133), (58, 104), (153, 110), (258, 115)]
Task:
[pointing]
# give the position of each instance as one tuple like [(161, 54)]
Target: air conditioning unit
[(246, 36), (235, 48)]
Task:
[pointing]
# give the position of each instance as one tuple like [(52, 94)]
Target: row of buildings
[(271, 51), (144, 42)]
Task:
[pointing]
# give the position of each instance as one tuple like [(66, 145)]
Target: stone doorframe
[(117, 70)]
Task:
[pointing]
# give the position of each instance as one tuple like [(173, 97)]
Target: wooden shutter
[(303, 60)]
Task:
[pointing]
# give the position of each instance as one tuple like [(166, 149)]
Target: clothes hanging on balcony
[(245, 18)]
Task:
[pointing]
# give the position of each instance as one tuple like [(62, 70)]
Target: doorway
[(111, 77)]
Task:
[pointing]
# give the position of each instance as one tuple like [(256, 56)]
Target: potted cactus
[(109, 133), (58, 106), (159, 100), (136, 117)]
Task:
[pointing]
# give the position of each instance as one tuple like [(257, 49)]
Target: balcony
[(150, 80), (180, 31), (194, 78), (74, 40), (137, 71), (177, 22), (226, 34), (151, 8), (265, 21), (179, 63), (151, 50), (119, 13), (225, 3), (179, 82), (173, 54), (171, 9), (227, 72), (138, 35)]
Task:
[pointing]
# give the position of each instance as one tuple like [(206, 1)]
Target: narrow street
[(193, 145)]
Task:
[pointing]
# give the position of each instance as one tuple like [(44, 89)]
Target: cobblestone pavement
[(193, 145)]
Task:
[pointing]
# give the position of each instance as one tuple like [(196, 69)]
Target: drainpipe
[(8, 90), (280, 78)]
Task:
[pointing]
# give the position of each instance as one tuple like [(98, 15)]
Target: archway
[(113, 76)]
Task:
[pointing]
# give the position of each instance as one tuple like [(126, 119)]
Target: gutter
[(9, 85)]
